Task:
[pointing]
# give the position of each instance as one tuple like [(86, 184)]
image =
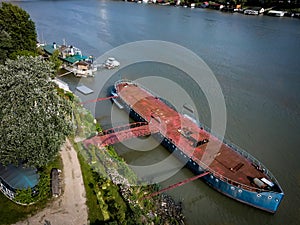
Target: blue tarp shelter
[(20, 177)]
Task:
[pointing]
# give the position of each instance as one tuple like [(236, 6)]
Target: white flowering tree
[(34, 119)]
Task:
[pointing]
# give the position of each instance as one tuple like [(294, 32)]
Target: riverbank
[(70, 208), (240, 50), (113, 194), (287, 10), (97, 186)]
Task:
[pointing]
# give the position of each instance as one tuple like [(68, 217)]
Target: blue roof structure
[(19, 177)]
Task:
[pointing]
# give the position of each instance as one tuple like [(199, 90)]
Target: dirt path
[(70, 208)]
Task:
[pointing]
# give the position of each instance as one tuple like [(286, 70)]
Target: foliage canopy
[(54, 58), (17, 31), (34, 118), (5, 45)]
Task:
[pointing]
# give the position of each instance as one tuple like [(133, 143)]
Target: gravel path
[(70, 208)]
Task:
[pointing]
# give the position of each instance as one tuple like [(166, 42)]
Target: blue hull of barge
[(268, 201)]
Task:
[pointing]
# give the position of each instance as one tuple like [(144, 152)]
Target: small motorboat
[(111, 63)]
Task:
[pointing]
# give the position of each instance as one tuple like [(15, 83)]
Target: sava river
[(255, 59)]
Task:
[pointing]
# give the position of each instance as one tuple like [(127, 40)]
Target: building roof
[(70, 59), (75, 58), (19, 177)]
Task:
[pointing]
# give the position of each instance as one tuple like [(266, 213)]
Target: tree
[(5, 45), (17, 24), (34, 119), (54, 58)]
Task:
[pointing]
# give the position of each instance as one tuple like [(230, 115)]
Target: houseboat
[(73, 60)]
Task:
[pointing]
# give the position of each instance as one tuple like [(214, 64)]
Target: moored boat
[(111, 63), (276, 13), (114, 100), (232, 171), (73, 60)]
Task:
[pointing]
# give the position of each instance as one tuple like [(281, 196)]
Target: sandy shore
[(70, 208)]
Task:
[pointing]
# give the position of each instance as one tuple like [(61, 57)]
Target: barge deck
[(237, 169)]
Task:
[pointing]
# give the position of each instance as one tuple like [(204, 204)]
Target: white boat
[(111, 63), (251, 12), (254, 11), (276, 13)]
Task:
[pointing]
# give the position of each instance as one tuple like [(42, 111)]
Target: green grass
[(104, 201), (94, 213), (11, 212)]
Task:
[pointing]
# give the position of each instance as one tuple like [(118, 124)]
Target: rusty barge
[(231, 170)]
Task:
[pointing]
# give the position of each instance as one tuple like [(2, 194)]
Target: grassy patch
[(103, 198), (94, 213), (84, 121), (110, 198), (19, 212)]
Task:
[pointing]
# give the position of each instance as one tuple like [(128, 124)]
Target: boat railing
[(224, 178), (124, 80), (137, 84), (146, 89), (255, 162), (230, 181)]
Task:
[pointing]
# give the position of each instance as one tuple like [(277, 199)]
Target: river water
[(255, 60)]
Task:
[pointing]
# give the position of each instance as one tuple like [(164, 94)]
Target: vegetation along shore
[(37, 117), (289, 8)]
